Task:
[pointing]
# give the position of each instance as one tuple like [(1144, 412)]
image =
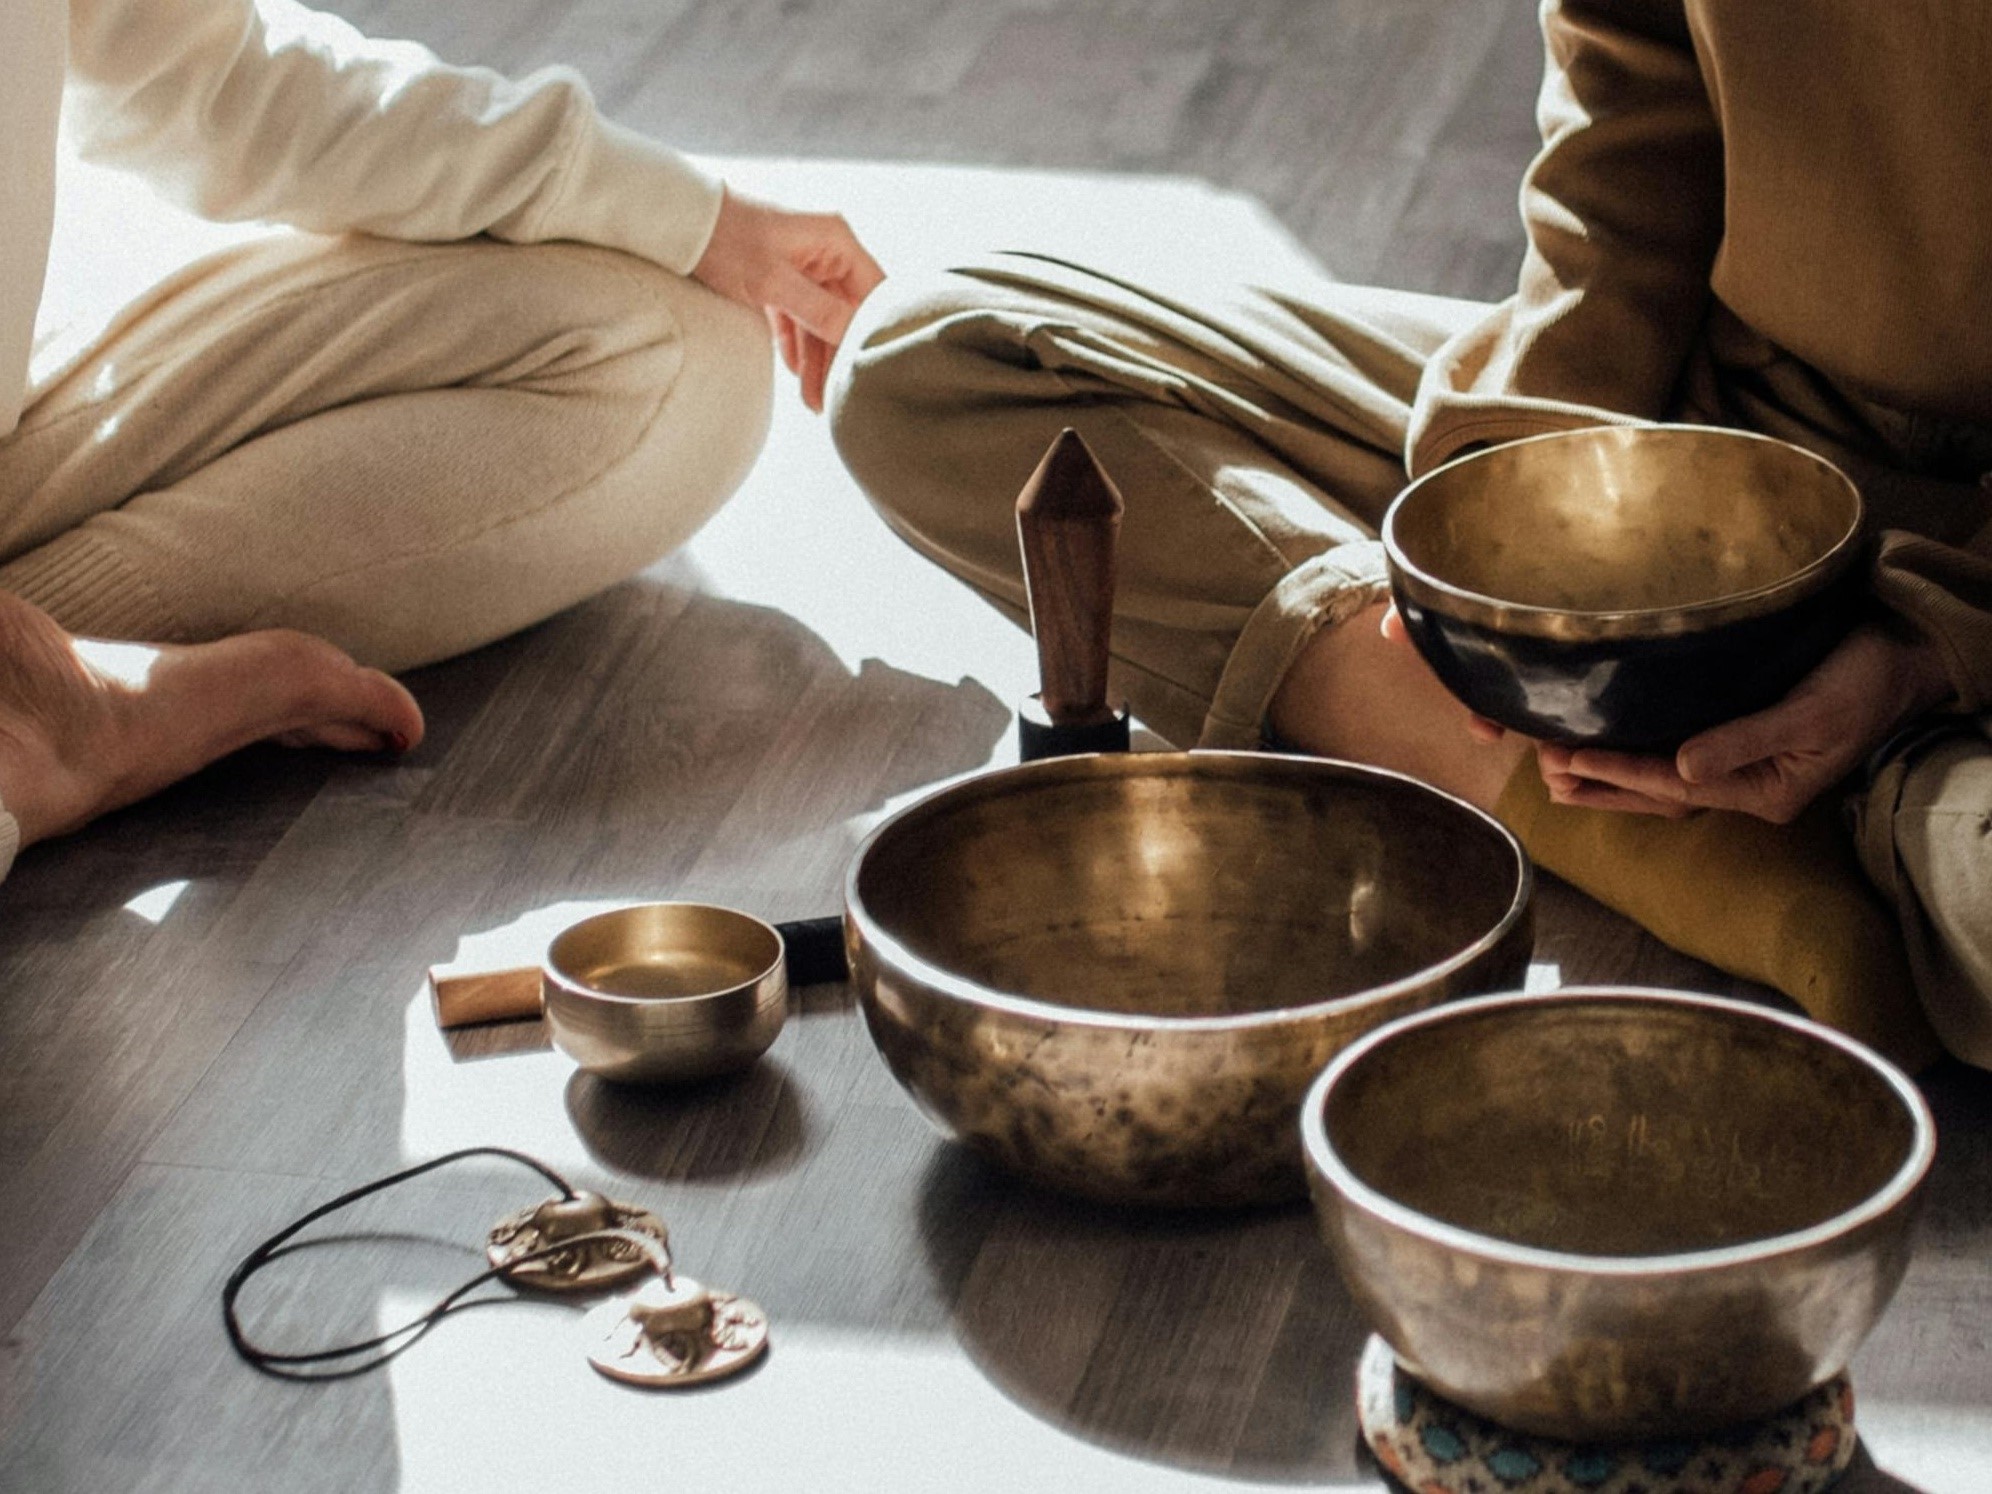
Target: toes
[(378, 715), (88, 727), (343, 737), (323, 698)]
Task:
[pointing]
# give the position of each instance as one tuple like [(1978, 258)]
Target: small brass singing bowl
[(665, 992), (1626, 586), (1607, 1215), (1117, 975)]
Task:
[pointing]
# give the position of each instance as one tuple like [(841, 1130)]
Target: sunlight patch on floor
[(829, 1411), (155, 903), (495, 1101), (799, 536), (1937, 1449)]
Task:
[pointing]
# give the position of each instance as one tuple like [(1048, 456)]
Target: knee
[(637, 336), (679, 385), (910, 385), (868, 396), (717, 393)]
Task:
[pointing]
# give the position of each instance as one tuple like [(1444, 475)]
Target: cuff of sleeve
[(10, 841), (1940, 617), (1446, 434), (1464, 400), (626, 191), (1317, 594)]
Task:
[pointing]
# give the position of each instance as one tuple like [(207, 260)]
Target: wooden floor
[(213, 1003)]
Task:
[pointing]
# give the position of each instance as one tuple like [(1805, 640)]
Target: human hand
[(1773, 763), (806, 272)]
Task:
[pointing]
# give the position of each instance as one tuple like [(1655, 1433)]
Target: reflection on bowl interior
[(667, 975), (664, 952), (1666, 1134), (1625, 521), (1169, 897)]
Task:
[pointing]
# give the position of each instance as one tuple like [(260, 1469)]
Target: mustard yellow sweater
[(1823, 169)]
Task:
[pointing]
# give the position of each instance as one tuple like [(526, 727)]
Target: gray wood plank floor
[(213, 1001)]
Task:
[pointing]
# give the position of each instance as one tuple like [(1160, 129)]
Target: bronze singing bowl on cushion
[(1118, 974), (1616, 1214), (1626, 586)]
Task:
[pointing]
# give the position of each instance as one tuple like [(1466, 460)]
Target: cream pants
[(408, 449), (1257, 435)]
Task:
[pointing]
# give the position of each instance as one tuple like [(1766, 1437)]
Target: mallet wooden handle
[(1068, 522), (493, 985)]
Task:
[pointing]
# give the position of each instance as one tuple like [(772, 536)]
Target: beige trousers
[(408, 449), (1257, 434)]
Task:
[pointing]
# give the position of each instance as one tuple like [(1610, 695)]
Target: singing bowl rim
[(863, 925), (1579, 625), (1325, 1163), (572, 985)]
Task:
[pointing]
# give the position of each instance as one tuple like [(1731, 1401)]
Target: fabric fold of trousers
[(1263, 428), (1257, 434), (407, 449)]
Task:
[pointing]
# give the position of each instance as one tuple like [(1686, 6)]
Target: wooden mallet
[(1068, 524)]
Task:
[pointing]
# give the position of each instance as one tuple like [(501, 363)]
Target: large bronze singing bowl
[(1606, 1215), (1119, 974), (1626, 586)]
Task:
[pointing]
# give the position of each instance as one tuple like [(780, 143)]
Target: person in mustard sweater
[(501, 354), (1740, 215)]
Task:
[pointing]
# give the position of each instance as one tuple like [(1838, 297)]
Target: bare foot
[(89, 726)]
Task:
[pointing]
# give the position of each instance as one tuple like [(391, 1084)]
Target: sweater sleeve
[(1623, 212), (1944, 592), (261, 109)]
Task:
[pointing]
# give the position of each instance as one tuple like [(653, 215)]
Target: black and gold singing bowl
[(1117, 975), (1607, 1215), (1626, 586)]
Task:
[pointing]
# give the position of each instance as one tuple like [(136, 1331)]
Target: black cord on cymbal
[(385, 1346)]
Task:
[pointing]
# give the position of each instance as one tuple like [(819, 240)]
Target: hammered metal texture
[(1626, 586), (1599, 1214), (1117, 975)]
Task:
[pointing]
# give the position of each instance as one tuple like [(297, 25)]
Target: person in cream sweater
[(500, 354), (1759, 216)]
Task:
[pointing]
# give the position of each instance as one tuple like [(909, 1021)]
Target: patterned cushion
[(1431, 1446)]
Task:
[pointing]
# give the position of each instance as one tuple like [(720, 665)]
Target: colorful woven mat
[(1432, 1446)]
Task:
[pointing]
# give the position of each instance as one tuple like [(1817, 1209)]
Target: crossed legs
[(1257, 437), (1257, 440), (307, 451)]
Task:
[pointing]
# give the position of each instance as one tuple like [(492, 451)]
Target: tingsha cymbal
[(675, 1332)]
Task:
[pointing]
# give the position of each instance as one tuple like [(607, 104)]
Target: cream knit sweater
[(261, 109)]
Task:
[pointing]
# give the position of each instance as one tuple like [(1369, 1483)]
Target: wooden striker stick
[(1068, 522)]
